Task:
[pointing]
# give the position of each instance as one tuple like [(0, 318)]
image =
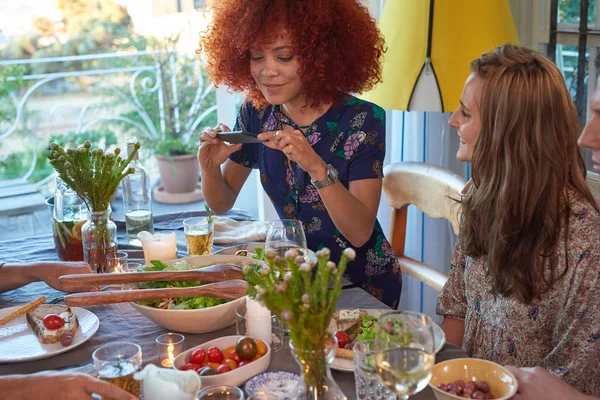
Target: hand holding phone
[(237, 137)]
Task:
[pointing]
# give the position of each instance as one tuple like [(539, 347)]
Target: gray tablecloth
[(123, 322)]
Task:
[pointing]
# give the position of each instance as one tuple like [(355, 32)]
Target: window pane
[(568, 12), (566, 59)]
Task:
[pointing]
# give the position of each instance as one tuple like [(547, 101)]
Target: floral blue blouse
[(351, 137)]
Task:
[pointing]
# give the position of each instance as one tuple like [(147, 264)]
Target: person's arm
[(537, 383), (58, 385), (15, 275), (576, 333), (452, 303)]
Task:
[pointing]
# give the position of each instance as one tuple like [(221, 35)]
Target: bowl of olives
[(472, 378)]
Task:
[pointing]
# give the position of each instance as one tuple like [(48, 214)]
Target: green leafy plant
[(93, 174), (174, 147)]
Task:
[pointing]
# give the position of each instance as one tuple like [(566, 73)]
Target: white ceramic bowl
[(234, 377), (204, 320)]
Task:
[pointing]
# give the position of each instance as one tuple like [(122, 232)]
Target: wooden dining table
[(121, 322)]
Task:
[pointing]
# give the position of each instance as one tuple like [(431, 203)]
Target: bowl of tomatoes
[(229, 360)]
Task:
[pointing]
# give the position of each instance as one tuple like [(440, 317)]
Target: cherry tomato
[(246, 348), (261, 347), (215, 355), (53, 321), (66, 338), (190, 366), (197, 356), (223, 368), (227, 352), (235, 357), (342, 338), (230, 363), (242, 363), (213, 365)]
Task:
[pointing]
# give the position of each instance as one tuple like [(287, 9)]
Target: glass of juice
[(199, 234), (117, 362)]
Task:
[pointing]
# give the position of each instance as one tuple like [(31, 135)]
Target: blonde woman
[(524, 288)]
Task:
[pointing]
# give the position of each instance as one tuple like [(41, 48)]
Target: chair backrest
[(435, 191)]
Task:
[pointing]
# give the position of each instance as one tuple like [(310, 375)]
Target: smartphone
[(237, 137)]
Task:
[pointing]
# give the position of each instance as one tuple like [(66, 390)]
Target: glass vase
[(315, 372), (99, 236)]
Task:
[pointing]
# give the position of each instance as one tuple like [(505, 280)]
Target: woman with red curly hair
[(322, 150)]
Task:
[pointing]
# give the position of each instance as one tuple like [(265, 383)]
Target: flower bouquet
[(94, 175), (304, 295)]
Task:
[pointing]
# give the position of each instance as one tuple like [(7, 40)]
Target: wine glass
[(405, 369), (286, 234)]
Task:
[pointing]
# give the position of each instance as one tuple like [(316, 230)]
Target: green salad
[(180, 303)]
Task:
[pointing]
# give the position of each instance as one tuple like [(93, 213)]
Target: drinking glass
[(198, 235), (368, 384), (405, 369), (286, 234), (116, 261), (117, 362), (221, 393)]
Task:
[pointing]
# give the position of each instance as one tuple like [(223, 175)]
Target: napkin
[(228, 230)]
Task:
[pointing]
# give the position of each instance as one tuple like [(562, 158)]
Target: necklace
[(312, 121)]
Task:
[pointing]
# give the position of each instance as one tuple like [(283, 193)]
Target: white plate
[(251, 248), (19, 343), (347, 364)]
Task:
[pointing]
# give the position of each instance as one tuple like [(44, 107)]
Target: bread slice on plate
[(36, 316)]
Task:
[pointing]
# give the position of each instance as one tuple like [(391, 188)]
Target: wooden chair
[(434, 190)]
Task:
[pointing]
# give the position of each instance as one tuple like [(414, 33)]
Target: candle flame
[(170, 349)]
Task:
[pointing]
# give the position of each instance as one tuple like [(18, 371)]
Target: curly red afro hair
[(337, 42)]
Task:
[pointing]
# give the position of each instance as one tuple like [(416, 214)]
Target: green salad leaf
[(181, 303), (367, 328)]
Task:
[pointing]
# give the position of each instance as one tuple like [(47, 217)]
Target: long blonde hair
[(527, 170)]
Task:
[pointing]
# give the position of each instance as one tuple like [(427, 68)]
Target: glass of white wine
[(405, 369), (287, 234)]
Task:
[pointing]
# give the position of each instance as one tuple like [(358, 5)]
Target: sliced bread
[(36, 316)]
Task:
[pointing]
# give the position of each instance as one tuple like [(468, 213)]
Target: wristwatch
[(331, 177)]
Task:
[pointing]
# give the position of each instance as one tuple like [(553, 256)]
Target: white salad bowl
[(202, 320)]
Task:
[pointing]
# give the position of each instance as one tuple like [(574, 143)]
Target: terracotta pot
[(179, 174)]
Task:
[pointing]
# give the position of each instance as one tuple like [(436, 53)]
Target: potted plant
[(304, 300), (178, 165)]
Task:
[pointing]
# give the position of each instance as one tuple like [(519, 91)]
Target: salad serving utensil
[(210, 274), (227, 290)]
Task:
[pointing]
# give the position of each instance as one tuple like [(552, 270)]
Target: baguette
[(35, 319), (27, 307), (347, 320)]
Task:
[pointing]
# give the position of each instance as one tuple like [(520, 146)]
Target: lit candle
[(159, 246), (258, 321), (168, 362)]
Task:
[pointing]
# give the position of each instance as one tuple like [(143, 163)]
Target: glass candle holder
[(160, 246), (115, 261), (221, 393), (117, 362), (170, 345), (265, 327)]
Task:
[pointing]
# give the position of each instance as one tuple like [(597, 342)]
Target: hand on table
[(537, 383), (212, 151), (295, 146), (64, 386), (49, 272)]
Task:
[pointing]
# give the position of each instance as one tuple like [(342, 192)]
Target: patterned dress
[(560, 331), (351, 137)]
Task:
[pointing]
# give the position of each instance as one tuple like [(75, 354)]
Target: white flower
[(281, 287), (324, 252), (286, 315), (350, 253), (270, 253), (305, 267), (247, 268), (291, 254), (299, 260), (331, 265), (287, 277), (265, 271), (305, 306), (305, 298)]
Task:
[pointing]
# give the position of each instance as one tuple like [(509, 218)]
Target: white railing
[(108, 91)]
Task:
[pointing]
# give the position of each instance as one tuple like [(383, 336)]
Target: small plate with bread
[(359, 324), (37, 330)]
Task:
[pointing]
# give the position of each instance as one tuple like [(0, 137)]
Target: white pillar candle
[(258, 321), (159, 246)]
